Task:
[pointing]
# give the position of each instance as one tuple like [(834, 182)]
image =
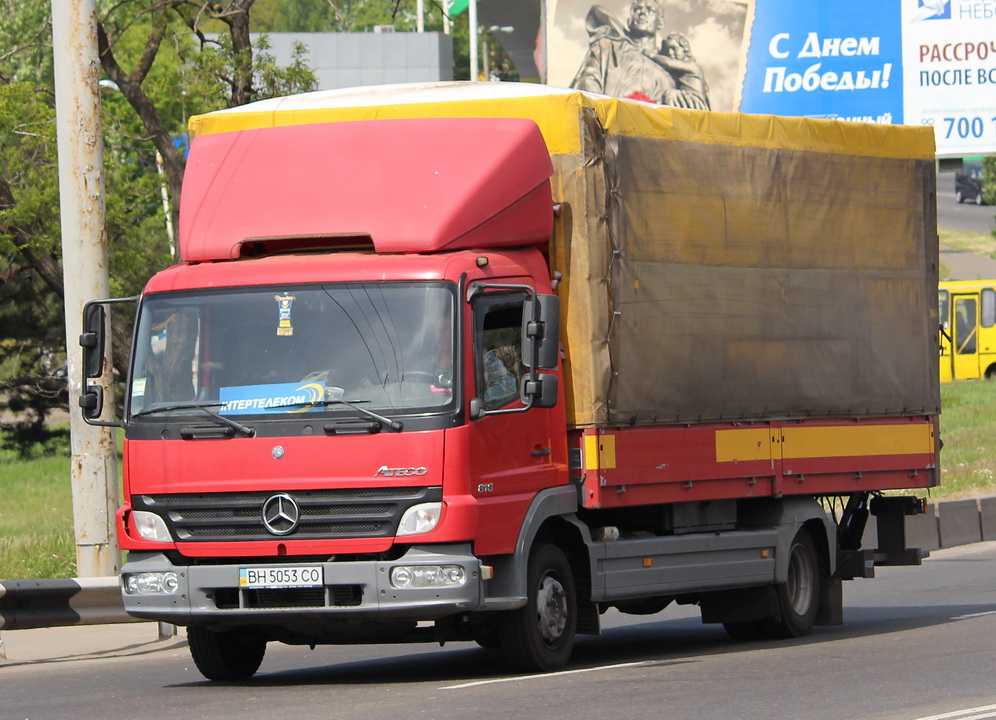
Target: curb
[(946, 524)]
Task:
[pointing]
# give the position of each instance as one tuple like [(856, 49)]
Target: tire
[(225, 656), (959, 198), (978, 199), (799, 595), (539, 637), (487, 637)]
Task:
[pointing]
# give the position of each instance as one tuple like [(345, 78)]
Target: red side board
[(623, 467)]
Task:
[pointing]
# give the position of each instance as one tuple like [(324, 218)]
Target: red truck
[(479, 362)]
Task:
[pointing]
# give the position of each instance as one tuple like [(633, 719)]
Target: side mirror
[(541, 392), (477, 408), (92, 340), (92, 401), (541, 332)]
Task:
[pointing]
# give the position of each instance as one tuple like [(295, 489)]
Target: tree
[(167, 66), (222, 61), (989, 182)]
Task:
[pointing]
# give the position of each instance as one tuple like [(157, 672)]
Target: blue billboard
[(913, 62), (840, 60)]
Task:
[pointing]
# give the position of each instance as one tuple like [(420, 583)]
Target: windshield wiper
[(204, 407), (395, 425)]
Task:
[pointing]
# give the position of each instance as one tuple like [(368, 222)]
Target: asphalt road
[(918, 643), (966, 216)]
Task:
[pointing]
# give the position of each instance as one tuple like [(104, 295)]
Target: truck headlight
[(151, 583), (428, 576), (420, 518), (150, 526)]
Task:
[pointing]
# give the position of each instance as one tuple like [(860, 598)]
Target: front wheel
[(798, 596), (226, 655), (540, 636)]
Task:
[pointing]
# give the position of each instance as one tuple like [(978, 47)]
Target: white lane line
[(981, 713), (524, 678), (974, 615)]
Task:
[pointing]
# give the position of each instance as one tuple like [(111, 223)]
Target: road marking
[(981, 713), (523, 678), (975, 615)]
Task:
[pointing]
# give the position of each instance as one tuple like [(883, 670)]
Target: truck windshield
[(287, 350)]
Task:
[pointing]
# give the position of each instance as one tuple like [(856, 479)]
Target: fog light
[(150, 526), (428, 576), (151, 583), (420, 518)]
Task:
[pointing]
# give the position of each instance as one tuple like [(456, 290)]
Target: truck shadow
[(655, 643)]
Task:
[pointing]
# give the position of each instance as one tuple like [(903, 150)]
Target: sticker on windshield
[(138, 387), (284, 304), (271, 399)]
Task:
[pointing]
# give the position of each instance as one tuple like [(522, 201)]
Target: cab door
[(965, 336), (512, 455), (944, 340)]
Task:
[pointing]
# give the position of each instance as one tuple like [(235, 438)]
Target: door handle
[(541, 452)]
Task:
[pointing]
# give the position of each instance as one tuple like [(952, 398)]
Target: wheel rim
[(551, 609), (800, 581)]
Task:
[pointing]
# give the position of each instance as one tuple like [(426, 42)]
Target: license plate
[(294, 576)]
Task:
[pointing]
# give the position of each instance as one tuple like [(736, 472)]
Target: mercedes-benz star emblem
[(281, 514)]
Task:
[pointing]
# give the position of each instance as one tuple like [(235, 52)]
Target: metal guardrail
[(28, 604)]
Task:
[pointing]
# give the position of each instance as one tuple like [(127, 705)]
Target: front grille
[(349, 513), (330, 596)]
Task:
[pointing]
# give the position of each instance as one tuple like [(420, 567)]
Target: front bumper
[(359, 590)]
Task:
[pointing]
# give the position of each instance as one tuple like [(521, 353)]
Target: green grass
[(968, 431), (979, 243), (36, 515)]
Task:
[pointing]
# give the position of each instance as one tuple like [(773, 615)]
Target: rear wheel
[(226, 655), (978, 199), (959, 197), (798, 596), (540, 636)]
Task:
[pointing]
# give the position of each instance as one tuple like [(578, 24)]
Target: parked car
[(968, 183)]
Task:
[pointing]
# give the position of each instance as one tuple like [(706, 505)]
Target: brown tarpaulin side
[(710, 281)]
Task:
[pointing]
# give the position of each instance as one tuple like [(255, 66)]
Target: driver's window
[(498, 348)]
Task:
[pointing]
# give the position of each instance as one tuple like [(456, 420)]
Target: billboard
[(914, 62)]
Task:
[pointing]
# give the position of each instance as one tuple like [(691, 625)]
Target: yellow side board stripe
[(599, 452), (823, 442), (743, 444)]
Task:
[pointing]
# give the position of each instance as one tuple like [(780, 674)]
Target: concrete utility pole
[(84, 261)]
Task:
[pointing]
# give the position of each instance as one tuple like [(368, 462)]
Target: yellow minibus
[(967, 314)]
